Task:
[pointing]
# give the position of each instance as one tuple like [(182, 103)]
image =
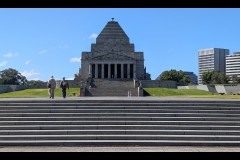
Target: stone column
[(115, 73), (102, 71), (90, 70), (96, 70), (122, 71), (134, 71), (109, 71), (128, 70)]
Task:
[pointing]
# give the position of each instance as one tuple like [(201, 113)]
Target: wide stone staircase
[(119, 123), (112, 87)]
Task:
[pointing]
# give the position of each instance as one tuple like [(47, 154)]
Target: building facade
[(233, 64), (211, 59), (112, 56), (193, 77)]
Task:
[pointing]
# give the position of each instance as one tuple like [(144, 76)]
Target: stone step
[(104, 101), (111, 88), (121, 137), (128, 102), (120, 132), (158, 115), (235, 119), (112, 93), (104, 94), (117, 106), (49, 103), (118, 127), (118, 143), (206, 123), (110, 110), (127, 122)]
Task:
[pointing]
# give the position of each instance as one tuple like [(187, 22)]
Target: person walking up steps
[(51, 87), (64, 85)]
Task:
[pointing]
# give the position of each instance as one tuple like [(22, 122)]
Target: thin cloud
[(93, 36), (27, 62), (10, 55), (29, 74), (75, 60), (42, 52), (35, 79), (2, 64)]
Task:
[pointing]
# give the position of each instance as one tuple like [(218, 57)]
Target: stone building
[(113, 67), (112, 56)]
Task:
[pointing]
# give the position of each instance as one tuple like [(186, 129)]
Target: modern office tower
[(233, 64), (193, 77), (211, 59)]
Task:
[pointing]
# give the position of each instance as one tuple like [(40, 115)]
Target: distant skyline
[(40, 42)]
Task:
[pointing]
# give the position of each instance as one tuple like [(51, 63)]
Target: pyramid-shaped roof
[(112, 31)]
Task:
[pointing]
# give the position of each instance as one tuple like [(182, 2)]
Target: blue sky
[(40, 42)]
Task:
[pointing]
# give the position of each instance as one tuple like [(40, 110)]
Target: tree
[(37, 84), (174, 75), (214, 77), (206, 77), (12, 76), (235, 79)]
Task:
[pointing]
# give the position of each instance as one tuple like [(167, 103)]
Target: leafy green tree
[(235, 79), (214, 77), (37, 84), (207, 77), (174, 75), (12, 76)]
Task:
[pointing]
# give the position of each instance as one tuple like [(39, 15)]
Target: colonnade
[(112, 70)]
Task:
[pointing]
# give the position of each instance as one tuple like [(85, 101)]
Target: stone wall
[(215, 88), (209, 88), (158, 84), (11, 88), (228, 89), (72, 84), (187, 87), (42, 86)]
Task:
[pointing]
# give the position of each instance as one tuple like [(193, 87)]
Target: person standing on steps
[(64, 85), (51, 87)]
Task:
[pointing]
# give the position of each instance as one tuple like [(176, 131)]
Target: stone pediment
[(113, 56)]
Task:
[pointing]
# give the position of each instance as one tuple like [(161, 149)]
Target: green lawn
[(187, 93), (31, 93)]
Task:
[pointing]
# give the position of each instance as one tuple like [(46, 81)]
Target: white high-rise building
[(233, 64), (211, 59)]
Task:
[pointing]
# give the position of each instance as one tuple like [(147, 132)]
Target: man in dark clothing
[(64, 85)]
